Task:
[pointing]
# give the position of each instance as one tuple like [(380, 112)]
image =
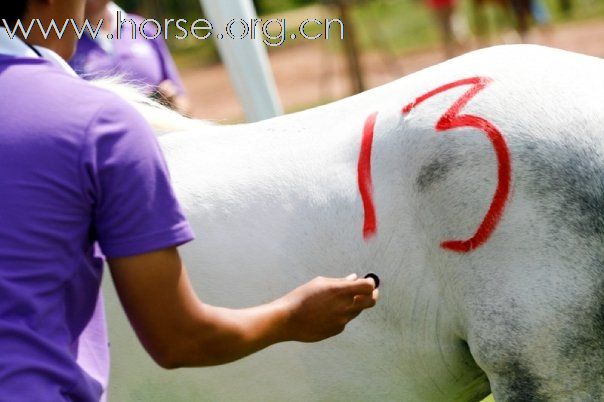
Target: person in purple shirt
[(146, 62), (78, 168)]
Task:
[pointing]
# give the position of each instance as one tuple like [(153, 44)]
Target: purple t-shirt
[(77, 165), (146, 62)]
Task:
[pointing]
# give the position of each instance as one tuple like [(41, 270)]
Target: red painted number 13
[(450, 120)]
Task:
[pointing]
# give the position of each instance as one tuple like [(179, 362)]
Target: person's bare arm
[(178, 330)]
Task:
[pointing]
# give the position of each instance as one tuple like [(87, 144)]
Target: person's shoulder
[(34, 81), (87, 102), (150, 26), (91, 99), (115, 117), (140, 20), (55, 82), (116, 113), (137, 18)]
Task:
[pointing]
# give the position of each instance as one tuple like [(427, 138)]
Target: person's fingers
[(376, 279), (363, 302), (358, 307), (352, 277), (359, 304), (359, 287), (168, 90), (354, 314), (167, 86)]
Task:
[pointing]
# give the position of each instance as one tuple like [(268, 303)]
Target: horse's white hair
[(161, 118), (278, 202)]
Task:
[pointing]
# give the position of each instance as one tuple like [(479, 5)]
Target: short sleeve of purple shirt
[(124, 175)]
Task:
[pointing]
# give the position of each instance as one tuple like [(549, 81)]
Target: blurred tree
[(275, 6), (351, 45), (191, 7)]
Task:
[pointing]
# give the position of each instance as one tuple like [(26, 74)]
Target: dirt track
[(309, 75)]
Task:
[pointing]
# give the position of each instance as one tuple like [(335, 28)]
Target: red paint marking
[(364, 177), (453, 119), (450, 120)]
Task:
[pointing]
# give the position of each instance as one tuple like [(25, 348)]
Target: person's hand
[(321, 308), (168, 93)]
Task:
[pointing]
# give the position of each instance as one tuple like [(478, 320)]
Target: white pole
[(246, 59)]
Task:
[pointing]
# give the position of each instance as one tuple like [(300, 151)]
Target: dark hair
[(12, 11)]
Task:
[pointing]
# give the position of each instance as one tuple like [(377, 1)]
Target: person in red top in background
[(444, 11)]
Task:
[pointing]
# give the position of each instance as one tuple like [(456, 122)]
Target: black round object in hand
[(375, 278)]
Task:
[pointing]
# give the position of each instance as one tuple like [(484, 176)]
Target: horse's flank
[(277, 202)]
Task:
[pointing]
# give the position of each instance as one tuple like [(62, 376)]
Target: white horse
[(476, 193)]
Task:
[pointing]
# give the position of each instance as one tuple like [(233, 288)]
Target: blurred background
[(384, 40)]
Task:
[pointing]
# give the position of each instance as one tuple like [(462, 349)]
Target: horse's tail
[(161, 118)]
